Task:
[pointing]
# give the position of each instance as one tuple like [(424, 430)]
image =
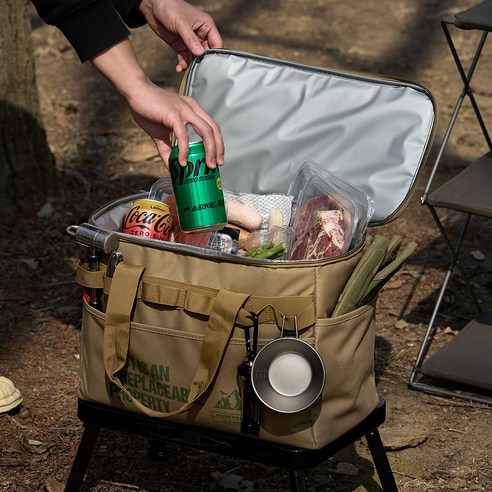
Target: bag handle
[(124, 288)]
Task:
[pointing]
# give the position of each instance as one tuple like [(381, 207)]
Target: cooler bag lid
[(372, 131)]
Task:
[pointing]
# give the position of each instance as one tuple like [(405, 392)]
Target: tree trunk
[(28, 174)]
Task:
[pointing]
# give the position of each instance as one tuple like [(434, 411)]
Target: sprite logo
[(185, 174)]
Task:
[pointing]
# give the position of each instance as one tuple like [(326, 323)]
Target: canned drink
[(197, 191), (149, 218)]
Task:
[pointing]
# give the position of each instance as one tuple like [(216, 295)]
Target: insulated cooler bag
[(172, 332)]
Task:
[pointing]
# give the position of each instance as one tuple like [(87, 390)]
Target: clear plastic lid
[(319, 195)]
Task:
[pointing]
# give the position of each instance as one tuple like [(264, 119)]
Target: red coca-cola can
[(150, 219)]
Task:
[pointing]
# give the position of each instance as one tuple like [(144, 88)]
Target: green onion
[(267, 251)]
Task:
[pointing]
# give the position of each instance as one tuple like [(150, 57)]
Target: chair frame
[(294, 460), (454, 246)]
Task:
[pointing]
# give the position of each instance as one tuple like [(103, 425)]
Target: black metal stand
[(294, 460)]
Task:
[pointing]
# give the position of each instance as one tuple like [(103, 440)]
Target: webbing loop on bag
[(122, 298), (87, 278), (199, 299)]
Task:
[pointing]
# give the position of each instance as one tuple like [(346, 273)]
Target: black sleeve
[(129, 12), (91, 26)]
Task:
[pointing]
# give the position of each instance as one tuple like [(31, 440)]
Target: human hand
[(159, 112), (184, 27)]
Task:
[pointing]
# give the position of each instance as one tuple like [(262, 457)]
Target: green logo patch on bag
[(228, 408)]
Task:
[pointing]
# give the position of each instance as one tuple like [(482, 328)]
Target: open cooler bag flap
[(274, 115)]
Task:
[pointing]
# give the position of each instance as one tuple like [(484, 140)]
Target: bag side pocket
[(346, 345)]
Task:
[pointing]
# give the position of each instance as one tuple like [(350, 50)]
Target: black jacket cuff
[(128, 10), (93, 28)]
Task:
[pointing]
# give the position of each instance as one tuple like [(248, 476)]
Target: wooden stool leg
[(82, 458), (298, 482), (381, 462)]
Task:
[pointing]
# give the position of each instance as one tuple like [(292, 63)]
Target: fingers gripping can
[(197, 191)]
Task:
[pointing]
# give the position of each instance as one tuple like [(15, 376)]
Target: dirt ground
[(444, 444)]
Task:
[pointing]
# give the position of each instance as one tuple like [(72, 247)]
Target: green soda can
[(197, 191)]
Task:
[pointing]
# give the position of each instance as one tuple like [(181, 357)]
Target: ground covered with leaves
[(434, 443)]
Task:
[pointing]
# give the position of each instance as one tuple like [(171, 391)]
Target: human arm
[(96, 31), (183, 27), (156, 110), (91, 26)]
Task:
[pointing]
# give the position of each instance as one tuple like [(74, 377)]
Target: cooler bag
[(176, 318)]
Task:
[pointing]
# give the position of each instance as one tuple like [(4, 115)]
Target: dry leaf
[(478, 255), (400, 324), (346, 469), (449, 331), (54, 486), (395, 284), (232, 481)]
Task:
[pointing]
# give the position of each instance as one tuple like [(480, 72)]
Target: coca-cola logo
[(180, 173), (145, 219)]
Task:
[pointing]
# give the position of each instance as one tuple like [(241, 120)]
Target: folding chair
[(462, 367)]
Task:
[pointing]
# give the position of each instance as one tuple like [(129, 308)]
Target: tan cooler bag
[(172, 334)]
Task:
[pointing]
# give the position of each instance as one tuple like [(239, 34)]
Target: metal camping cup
[(288, 374)]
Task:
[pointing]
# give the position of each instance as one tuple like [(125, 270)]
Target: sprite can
[(197, 191)]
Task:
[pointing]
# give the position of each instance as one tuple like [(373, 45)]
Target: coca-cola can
[(150, 219)]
